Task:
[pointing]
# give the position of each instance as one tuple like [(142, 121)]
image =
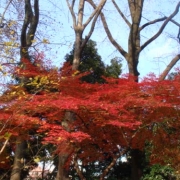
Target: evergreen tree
[(91, 62)]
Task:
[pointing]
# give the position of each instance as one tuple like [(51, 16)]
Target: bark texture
[(27, 36), (134, 42), (18, 159), (79, 27)]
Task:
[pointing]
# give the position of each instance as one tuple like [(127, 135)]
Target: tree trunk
[(136, 160), (77, 50), (18, 159), (62, 173), (133, 60)]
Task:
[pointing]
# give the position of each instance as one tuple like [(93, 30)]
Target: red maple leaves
[(108, 117)]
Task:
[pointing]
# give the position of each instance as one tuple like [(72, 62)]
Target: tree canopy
[(85, 116)]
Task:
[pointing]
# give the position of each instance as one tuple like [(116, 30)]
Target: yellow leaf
[(33, 41), (12, 32), (1, 68), (4, 74), (7, 135), (24, 51), (75, 73), (59, 138), (13, 93), (45, 41), (36, 159)]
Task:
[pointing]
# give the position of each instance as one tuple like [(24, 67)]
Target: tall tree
[(135, 46), (79, 26), (31, 19), (91, 62)]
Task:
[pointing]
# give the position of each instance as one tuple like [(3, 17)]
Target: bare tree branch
[(152, 22), (33, 24), (30, 23), (176, 23), (162, 27), (72, 13), (122, 15), (73, 2), (4, 145), (76, 166), (91, 31), (108, 168), (113, 41), (131, 7), (80, 16), (97, 10), (3, 14), (169, 67)]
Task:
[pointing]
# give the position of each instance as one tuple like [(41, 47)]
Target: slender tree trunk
[(79, 27), (62, 173), (18, 159), (136, 160), (133, 61), (28, 30), (77, 51), (108, 168)]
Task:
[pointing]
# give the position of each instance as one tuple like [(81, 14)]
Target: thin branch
[(169, 67), (72, 5), (113, 41), (91, 31), (2, 16), (76, 166), (176, 23), (97, 10), (108, 168), (72, 13), (152, 22), (162, 27), (122, 15), (5, 143)]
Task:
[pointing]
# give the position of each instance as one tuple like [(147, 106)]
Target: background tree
[(135, 45), (114, 70), (27, 34), (79, 27), (90, 61)]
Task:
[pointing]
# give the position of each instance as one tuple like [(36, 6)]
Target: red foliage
[(118, 114)]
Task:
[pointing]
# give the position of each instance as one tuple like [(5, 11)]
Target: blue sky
[(154, 58)]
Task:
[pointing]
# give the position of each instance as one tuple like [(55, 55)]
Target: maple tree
[(109, 119), (86, 122)]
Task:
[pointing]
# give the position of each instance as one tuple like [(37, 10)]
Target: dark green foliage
[(114, 70), (159, 172), (91, 62)]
